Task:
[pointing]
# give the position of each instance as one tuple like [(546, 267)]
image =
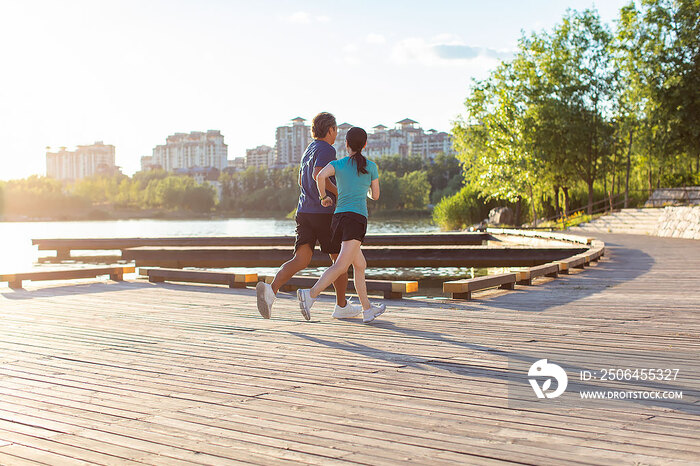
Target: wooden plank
[(391, 289), (462, 289), (574, 262), (115, 273), (232, 279), (65, 245), (541, 234), (525, 277), (174, 375), (424, 256)]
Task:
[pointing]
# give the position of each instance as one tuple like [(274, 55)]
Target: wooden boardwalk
[(133, 372)]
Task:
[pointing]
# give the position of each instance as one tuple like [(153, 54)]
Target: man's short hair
[(321, 124)]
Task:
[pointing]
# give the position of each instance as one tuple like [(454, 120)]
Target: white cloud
[(375, 38), (302, 17), (350, 48), (444, 50)]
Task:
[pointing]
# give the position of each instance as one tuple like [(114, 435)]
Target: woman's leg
[(347, 254), (341, 285), (359, 264)]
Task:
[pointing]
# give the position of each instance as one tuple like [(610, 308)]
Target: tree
[(415, 190), (657, 48), (491, 139)]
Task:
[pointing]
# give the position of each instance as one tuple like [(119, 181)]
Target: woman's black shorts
[(347, 226)]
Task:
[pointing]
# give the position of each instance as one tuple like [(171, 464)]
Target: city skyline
[(207, 149), (131, 73)]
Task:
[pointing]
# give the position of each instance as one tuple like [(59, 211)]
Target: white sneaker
[(350, 310), (266, 297), (374, 311), (305, 302)]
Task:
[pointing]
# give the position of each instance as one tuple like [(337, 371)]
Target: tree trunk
[(605, 181), (627, 177), (566, 201), (532, 206), (612, 183), (556, 201), (590, 197), (517, 211)]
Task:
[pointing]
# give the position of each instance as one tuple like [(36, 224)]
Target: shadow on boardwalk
[(622, 264), (509, 375)]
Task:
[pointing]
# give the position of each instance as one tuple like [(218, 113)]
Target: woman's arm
[(330, 187), (321, 180), (373, 192)]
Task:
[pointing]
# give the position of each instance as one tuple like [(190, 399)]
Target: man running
[(313, 222)]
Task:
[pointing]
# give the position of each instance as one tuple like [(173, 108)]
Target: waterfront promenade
[(100, 372)]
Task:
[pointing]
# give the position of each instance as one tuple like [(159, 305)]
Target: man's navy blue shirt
[(318, 154)]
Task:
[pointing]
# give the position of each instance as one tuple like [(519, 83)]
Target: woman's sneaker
[(266, 297), (374, 311), (305, 302), (350, 310)]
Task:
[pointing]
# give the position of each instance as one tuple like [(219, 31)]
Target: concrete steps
[(629, 221)]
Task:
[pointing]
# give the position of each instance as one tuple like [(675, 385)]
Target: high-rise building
[(196, 149), (90, 160), (339, 145), (237, 164), (431, 143), (261, 157), (291, 142), (408, 139), (148, 164)]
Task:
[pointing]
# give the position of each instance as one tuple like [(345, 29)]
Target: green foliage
[(581, 109), (408, 192), (39, 196), (415, 190), (390, 192), (260, 190), (461, 209), (453, 186), (443, 175)]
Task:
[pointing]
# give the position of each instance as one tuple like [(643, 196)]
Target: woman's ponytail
[(360, 162), (357, 139)]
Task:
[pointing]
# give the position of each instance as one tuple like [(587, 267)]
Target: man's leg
[(341, 285), (301, 260)]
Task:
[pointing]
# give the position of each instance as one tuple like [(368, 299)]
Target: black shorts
[(312, 228), (347, 226)]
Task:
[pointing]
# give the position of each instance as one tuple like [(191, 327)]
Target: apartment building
[(260, 157), (196, 149), (291, 142), (85, 161)]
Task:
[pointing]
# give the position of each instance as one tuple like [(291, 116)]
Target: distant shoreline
[(101, 215)]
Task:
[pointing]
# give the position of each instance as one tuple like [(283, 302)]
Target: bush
[(460, 210)]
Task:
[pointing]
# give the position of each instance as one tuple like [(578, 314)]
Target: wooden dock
[(112, 373)]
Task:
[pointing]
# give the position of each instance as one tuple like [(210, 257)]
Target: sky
[(130, 73)]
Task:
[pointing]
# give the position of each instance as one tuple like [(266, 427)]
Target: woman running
[(357, 179)]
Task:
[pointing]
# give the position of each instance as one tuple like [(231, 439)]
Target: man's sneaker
[(266, 297), (305, 302), (374, 311), (350, 310)]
